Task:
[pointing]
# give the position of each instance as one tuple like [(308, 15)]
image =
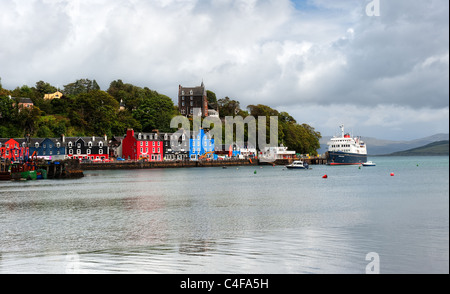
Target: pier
[(166, 164), (189, 163), (67, 169), (72, 169)]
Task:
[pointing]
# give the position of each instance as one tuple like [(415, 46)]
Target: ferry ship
[(345, 150)]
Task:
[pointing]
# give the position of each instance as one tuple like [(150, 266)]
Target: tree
[(301, 138), (132, 96), (228, 107), (43, 88), (155, 112), (212, 99), (95, 111), (81, 86)]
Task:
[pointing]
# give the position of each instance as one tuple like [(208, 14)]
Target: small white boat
[(298, 164), (369, 163)]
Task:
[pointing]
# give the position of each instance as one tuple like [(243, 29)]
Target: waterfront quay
[(189, 163), (165, 164)]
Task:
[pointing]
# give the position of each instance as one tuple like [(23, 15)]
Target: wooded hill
[(86, 110), (440, 148)]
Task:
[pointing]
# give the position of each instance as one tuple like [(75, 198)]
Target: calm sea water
[(215, 220)]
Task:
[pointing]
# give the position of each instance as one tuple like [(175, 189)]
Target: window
[(192, 103), (90, 144), (70, 144), (159, 150), (70, 151), (79, 145), (78, 151), (100, 144), (35, 145), (146, 143), (153, 150), (58, 145), (153, 143), (89, 151), (100, 151), (142, 149)]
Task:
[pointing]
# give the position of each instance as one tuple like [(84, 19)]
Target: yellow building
[(56, 95)]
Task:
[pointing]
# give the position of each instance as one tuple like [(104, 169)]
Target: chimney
[(63, 138), (106, 138), (93, 138)]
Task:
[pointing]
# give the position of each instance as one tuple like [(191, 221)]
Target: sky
[(379, 67)]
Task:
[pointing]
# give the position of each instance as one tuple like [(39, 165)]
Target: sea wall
[(164, 164)]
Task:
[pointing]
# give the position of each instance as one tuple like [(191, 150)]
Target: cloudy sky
[(326, 62)]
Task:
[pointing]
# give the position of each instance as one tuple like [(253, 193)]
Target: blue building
[(201, 145), (48, 148)]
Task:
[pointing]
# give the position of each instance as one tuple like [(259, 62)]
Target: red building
[(13, 149), (147, 146)]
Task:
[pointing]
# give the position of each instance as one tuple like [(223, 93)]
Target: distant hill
[(435, 148), (382, 147)]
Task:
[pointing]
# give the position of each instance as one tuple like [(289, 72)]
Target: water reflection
[(170, 221)]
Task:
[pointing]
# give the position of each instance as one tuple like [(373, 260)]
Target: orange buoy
[(325, 177)]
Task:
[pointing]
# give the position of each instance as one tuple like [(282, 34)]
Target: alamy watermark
[(72, 263), (373, 8), (373, 267), (234, 131)]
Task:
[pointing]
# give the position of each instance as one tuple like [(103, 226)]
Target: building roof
[(196, 91), (25, 100), (57, 94)]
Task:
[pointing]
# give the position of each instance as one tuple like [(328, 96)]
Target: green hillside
[(435, 148)]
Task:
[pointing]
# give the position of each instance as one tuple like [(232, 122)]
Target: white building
[(270, 154)]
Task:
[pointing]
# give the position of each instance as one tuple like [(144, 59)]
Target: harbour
[(74, 168), (216, 220)]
